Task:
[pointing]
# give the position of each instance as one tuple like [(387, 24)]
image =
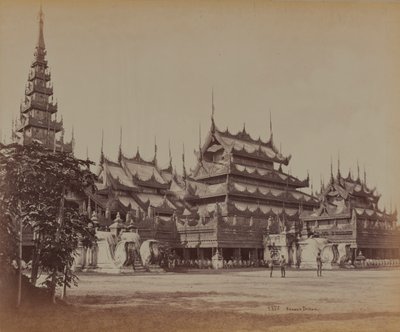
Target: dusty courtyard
[(367, 300)]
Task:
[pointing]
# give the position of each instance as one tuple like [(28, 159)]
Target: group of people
[(282, 264)]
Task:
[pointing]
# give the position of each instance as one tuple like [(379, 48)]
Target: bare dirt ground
[(244, 300)]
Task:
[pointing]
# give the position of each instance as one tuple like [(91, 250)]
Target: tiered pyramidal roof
[(243, 177), (38, 112), (344, 195)]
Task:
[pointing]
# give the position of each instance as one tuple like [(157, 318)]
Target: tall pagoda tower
[(38, 112)]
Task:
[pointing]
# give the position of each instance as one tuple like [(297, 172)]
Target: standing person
[(319, 265), (274, 255), (271, 263), (283, 265)]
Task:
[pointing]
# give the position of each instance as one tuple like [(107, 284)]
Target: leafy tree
[(35, 185)]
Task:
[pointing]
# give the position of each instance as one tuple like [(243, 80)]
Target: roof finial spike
[(41, 38), (312, 187), (87, 153), (120, 145), (200, 152), (102, 148), (244, 127), (170, 154), (338, 166), (183, 161), (358, 171), (321, 182), (270, 127), (212, 111), (365, 177), (331, 170), (155, 149)]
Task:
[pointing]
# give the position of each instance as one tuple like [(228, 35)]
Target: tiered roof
[(243, 144), (36, 122), (243, 178), (344, 195), (140, 184)]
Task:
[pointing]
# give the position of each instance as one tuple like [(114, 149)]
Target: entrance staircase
[(138, 265)]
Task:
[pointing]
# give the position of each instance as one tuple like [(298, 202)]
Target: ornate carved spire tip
[(41, 38)]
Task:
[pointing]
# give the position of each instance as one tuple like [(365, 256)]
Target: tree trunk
[(35, 261), (64, 292), (19, 293), (58, 234)]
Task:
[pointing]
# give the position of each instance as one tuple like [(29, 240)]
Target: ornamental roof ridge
[(244, 135), (138, 159), (278, 158), (152, 181)]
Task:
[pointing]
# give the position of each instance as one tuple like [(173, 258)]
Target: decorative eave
[(259, 154), (193, 193), (33, 122), (286, 197), (273, 176), (115, 182), (164, 207), (139, 160), (209, 171), (260, 214), (151, 182), (244, 136), (217, 135)]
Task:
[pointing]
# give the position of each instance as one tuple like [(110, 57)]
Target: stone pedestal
[(309, 250)]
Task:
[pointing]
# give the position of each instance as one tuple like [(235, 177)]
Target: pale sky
[(329, 73)]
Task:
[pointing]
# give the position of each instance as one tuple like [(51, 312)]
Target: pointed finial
[(338, 166), (102, 148), (87, 153), (358, 171), (312, 187), (120, 145), (270, 127), (169, 154), (155, 149), (244, 127), (200, 152), (365, 176), (183, 161), (41, 38), (331, 170), (212, 111), (321, 182)]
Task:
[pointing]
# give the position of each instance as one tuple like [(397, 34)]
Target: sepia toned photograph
[(199, 165)]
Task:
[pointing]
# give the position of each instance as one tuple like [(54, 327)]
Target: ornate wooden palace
[(348, 215), (234, 203), (236, 194)]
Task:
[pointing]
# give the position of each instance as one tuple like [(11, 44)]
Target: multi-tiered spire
[(38, 118)]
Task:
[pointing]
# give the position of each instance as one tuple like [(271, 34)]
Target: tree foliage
[(35, 187)]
